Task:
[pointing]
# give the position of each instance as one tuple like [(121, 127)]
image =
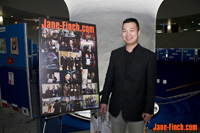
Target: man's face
[(67, 77), (67, 99), (70, 42), (74, 76), (130, 33), (93, 74)]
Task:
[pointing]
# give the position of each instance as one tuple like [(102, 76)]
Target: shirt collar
[(132, 50)]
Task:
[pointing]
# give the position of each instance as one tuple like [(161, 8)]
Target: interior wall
[(108, 17), (178, 40)]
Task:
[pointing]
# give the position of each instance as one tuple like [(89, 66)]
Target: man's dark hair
[(128, 20)]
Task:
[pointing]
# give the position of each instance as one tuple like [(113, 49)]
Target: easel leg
[(60, 117), (44, 125)]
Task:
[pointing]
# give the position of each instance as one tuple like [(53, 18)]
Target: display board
[(12, 46), (30, 57), (161, 54), (174, 54), (14, 88), (35, 56), (68, 71), (189, 55), (14, 68)]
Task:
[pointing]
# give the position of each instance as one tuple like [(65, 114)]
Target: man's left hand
[(146, 117)]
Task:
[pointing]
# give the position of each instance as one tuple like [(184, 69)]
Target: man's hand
[(146, 117), (103, 109)]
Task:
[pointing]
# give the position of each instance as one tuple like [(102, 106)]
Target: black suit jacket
[(131, 93)]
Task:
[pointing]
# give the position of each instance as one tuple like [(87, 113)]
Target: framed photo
[(3, 45), (14, 45)]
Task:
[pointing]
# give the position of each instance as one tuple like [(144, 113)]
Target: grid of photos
[(68, 71)]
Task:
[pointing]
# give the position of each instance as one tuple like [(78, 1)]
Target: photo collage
[(68, 71)]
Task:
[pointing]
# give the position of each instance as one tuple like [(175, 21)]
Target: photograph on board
[(14, 45), (3, 46)]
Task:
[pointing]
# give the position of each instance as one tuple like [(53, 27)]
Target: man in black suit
[(54, 92), (62, 46), (131, 78), (77, 62), (54, 78), (57, 106), (64, 62), (70, 61), (48, 93)]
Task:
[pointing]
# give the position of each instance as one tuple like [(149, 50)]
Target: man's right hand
[(103, 109)]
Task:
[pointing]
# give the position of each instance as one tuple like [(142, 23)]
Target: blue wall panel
[(30, 48), (174, 54), (161, 54), (30, 57), (17, 93), (11, 31), (189, 55), (35, 49), (35, 57), (35, 62)]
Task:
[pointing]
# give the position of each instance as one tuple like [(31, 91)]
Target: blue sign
[(14, 79), (161, 54), (174, 54), (189, 55)]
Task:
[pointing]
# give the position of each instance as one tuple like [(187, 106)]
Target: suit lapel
[(121, 60)]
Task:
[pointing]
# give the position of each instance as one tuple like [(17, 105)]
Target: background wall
[(108, 17), (178, 40)]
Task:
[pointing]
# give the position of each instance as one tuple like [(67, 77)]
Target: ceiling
[(33, 8), (181, 13), (186, 23)]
